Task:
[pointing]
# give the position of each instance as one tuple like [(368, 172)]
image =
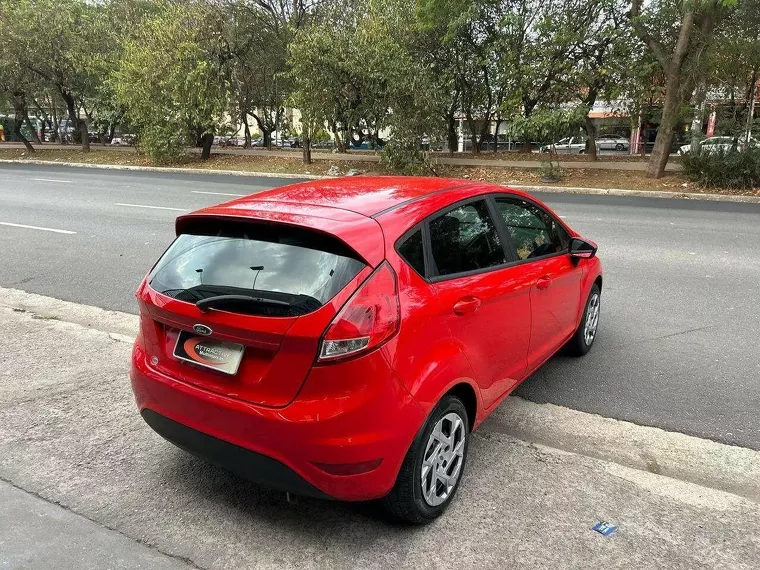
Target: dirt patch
[(582, 178)]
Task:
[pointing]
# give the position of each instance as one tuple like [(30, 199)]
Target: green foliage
[(733, 169), (161, 142), (547, 125), (171, 81), (407, 158)]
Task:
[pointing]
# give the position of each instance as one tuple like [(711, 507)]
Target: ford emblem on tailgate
[(202, 329)]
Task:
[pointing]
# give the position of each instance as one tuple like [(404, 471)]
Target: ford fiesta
[(343, 338)]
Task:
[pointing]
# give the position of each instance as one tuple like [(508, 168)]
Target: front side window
[(465, 239), (533, 231)]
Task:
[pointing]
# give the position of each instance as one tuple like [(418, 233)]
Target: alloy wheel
[(443, 459), (592, 319)]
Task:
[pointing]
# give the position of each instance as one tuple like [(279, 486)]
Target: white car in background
[(714, 145), (569, 145), (612, 142)]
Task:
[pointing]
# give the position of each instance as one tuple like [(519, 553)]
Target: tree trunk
[(20, 110), (111, 132), (698, 116), (591, 141), (473, 134), (247, 130), (452, 139), (339, 143), (206, 141), (32, 128), (306, 149), (666, 130), (85, 136), (56, 127), (80, 127), (496, 135), (751, 108)]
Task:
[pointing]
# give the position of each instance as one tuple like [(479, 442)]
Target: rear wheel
[(585, 335), (433, 466), (619, 146)]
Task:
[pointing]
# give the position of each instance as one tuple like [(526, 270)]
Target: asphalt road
[(678, 344)]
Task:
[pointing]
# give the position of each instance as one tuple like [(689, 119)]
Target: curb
[(704, 462), (134, 168), (641, 193), (288, 176)]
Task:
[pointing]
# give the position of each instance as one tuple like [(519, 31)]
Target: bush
[(733, 169), (406, 158), (161, 143)]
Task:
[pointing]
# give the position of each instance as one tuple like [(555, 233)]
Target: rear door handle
[(466, 306), (543, 282)]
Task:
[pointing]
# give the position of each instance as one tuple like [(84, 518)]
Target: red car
[(343, 338)]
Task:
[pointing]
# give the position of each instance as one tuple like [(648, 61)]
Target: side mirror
[(582, 249)]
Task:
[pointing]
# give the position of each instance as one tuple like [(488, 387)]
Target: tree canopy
[(178, 72)]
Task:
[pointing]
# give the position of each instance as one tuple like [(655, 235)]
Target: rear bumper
[(248, 464), (349, 414)]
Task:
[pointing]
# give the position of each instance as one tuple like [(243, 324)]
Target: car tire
[(586, 333), (408, 501), (619, 146)]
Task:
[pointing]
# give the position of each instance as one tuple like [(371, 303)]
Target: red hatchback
[(343, 338)]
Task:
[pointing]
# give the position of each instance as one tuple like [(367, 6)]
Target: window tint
[(465, 239), (411, 250), (296, 270), (534, 232)]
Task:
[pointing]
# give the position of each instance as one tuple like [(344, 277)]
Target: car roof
[(364, 195)]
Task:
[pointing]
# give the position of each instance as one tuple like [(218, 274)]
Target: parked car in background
[(343, 338), (569, 145), (714, 145), (124, 139), (612, 142)]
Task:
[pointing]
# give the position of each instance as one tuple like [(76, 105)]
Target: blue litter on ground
[(604, 528)]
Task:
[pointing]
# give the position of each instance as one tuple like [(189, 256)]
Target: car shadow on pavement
[(213, 485)]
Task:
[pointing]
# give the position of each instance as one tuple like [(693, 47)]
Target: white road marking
[(216, 193), (151, 207), (52, 180), (37, 228)]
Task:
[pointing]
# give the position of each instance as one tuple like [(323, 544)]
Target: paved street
[(677, 347)]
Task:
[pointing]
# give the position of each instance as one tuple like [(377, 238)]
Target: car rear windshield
[(254, 268)]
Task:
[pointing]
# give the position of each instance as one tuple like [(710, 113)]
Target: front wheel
[(433, 466), (585, 335), (619, 146)]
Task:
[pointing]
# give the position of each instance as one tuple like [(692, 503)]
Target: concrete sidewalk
[(37, 534), (364, 156), (71, 435)]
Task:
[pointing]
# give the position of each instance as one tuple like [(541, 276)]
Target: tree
[(677, 32), (56, 40), (734, 67), (603, 57), (173, 79)]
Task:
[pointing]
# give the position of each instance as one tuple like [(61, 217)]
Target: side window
[(534, 232), (465, 239), (413, 253)]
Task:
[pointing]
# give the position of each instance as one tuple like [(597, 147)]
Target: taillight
[(369, 318)]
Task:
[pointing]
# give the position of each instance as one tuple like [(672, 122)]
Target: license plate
[(208, 352)]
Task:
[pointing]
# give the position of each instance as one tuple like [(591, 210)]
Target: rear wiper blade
[(210, 302)]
